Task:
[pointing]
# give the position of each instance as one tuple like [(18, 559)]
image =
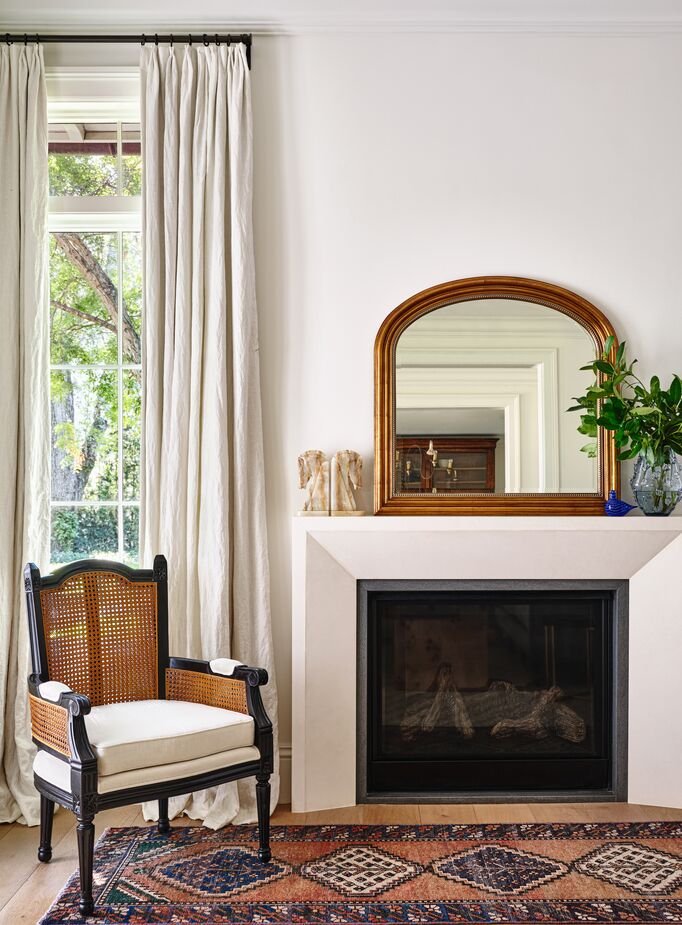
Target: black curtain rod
[(203, 39)]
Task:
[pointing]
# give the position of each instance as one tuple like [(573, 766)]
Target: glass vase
[(657, 489)]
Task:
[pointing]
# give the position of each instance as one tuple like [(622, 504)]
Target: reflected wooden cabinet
[(445, 464)]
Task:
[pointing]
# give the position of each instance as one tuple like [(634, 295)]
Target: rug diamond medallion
[(499, 869), (361, 870), (634, 867), (219, 872)]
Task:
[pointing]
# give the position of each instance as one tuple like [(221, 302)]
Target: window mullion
[(119, 159)]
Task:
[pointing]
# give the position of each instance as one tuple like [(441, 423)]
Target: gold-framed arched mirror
[(473, 380)]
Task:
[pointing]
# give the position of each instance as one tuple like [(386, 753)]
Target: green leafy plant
[(644, 419)]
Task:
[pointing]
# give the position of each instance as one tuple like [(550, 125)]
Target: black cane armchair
[(116, 719)]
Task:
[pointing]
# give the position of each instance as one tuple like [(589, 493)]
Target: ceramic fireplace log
[(537, 724), (568, 725), (547, 716), (503, 708), (446, 707)]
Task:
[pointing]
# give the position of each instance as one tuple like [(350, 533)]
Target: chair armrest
[(223, 667), (57, 720)]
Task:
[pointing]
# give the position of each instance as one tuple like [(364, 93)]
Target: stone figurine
[(346, 476), (313, 475)]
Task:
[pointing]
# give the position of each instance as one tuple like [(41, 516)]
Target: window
[(95, 339)]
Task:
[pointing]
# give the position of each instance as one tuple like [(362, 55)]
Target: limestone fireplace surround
[(330, 555)]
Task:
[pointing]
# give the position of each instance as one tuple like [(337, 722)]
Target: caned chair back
[(97, 629)]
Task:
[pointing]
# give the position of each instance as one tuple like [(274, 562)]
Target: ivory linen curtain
[(203, 490), (24, 442)]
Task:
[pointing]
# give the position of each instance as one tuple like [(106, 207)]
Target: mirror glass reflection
[(482, 392)]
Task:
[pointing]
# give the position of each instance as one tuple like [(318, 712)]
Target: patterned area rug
[(402, 874)]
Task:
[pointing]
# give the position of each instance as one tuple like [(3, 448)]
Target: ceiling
[(291, 16)]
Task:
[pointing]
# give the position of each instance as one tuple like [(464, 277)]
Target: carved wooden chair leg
[(85, 831), (164, 824), (263, 806), (46, 816)]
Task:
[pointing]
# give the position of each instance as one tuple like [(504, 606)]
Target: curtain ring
[(7, 39), (171, 40), (217, 40), (189, 39), (206, 41), (156, 40), (25, 40), (144, 39)]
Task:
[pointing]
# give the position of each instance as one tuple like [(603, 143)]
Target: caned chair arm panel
[(209, 689), (50, 724), (60, 724)]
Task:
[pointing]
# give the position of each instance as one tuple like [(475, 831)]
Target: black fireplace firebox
[(510, 690)]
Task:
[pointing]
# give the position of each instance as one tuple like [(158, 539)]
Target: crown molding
[(345, 24)]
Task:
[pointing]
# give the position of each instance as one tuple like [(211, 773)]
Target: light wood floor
[(27, 888)]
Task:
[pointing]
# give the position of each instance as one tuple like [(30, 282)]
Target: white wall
[(385, 164)]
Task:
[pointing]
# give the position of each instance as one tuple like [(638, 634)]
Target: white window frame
[(97, 95)]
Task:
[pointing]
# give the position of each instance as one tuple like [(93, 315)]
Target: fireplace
[(491, 690)]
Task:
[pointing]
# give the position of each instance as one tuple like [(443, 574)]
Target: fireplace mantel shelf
[(330, 555), (630, 523)]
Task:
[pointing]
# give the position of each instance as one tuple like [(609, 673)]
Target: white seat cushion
[(58, 773), (148, 733)]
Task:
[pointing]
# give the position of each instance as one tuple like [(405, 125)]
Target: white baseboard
[(285, 772)]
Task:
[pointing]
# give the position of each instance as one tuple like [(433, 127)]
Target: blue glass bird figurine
[(614, 507)]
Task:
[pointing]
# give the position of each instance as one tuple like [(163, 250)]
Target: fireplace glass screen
[(477, 691)]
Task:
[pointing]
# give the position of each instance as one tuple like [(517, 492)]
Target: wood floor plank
[(447, 813), (503, 812), (19, 853), (37, 892), (664, 813), (6, 828), (392, 814), (602, 812), (560, 812), (346, 814), (283, 816), (367, 814)]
